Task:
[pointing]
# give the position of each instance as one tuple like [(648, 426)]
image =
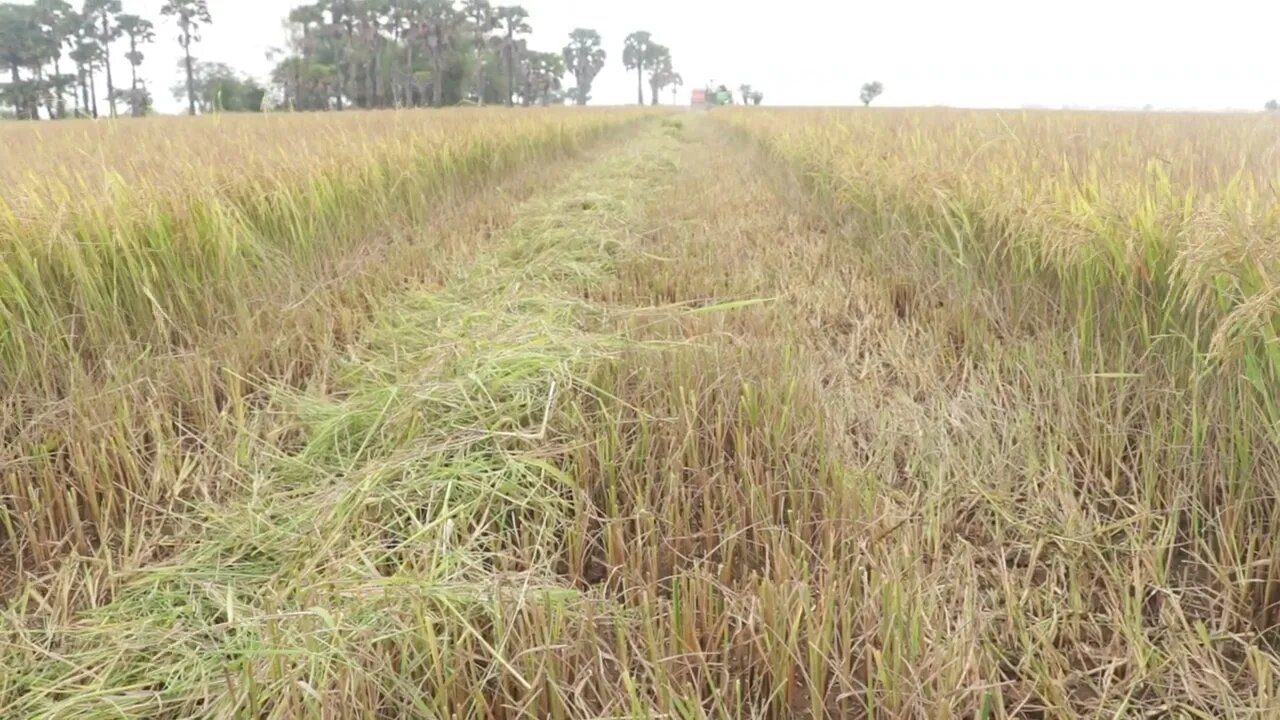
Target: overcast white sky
[(979, 53)]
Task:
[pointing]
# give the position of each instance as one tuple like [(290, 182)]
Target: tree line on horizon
[(341, 54), (49, 51)]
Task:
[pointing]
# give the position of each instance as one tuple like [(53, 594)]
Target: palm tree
[(585, 58), (409, 28), (401, 20), (139, 31), (37, 89), (636, 55), (309, 19), (483, 21), (439, 22), (371, 16), (103, 11), (341, 35), (59, 85), (19, 46), (514, 20), (659, 63), (57, 22), (85, 55), (530, 79), (190, 15), (546, 74)]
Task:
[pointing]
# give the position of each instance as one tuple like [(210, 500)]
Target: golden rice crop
[(1191, 201), (1124, 266), (762, 414), (150, 273)]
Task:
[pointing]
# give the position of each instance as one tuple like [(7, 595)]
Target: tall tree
[(402, 20), (19, 47), (303, 73), (636, 55), (340, 33), (139, 30), (38, 88), (547, 78), (343, 51), (58, 22), (372, 17), (584, 56), (439, 21), (660, 70), (359, 52), (514, 21), (104, 14), (483, 20), (190, 15), (85, 54)]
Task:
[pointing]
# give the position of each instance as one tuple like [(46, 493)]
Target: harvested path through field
[(552, 487), (666, 448), (423, 491)]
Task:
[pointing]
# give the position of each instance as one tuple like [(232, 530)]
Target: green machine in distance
[(711, 96)]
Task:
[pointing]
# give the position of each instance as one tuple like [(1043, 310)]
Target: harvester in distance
[(711, 96)]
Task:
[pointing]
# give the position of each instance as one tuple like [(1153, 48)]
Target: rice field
[(582, 414), (155, 272)]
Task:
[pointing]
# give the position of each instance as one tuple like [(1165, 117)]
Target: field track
[(657, 432)]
